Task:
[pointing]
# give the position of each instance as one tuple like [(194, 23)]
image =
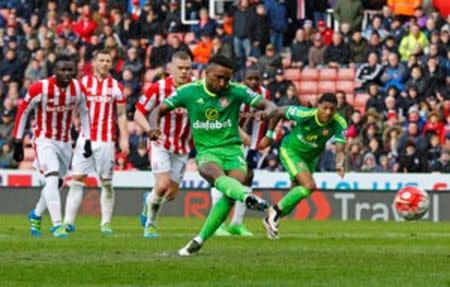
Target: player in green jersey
[(213, 106), (300, 150)]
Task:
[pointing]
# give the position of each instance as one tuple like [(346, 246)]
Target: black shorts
[(252, 159)]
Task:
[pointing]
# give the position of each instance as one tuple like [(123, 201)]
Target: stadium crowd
[(396, 101)]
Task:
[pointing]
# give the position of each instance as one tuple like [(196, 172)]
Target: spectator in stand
[(397, 30), (325, 32), (412, 134), (404, 8), (300, 50), (242, 32), (387, 17), (375, 45), (220, 48), (202, 52), (376, 26), (353, 159), (11, 68), (278, 87), (412, 160), (418, 80), (433, 52), (337, 54), (420, 17), (260, 31), (414, 43), (390, 44), (6, 157), (290, 98), (414, 116), (355, 125), (328, 158), (434, 148), (205, 26), (159, 52), (435, 77), (150, 26), (375, 100), (6, 125), (122, 163), (369, 72), (85, 27), (343, 107), (370, 131), (139, 157), (430, 28), (358, 47), (319, 9), (270, 62), (384, 165), (176, 45), (369, 163), (35, 71), (395, 73), (133, 63), (346, 33), (443, 163), (172, 21), (350, 11), (433, 125), (277, 15), (391, 140)]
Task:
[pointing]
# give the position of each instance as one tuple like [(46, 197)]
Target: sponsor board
[(263, 179), (321, 205)]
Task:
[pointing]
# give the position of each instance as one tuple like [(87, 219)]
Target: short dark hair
[(104, 51), (64, 58), (329, 98), (182, 55), (221, 61)]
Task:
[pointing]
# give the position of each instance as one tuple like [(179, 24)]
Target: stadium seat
[(292, 74), (327, 87), (28, 154), (308, 99), (309, 74), (189, 38), (361, 99), (306, 87), (346, 86), (346, 74), (26, 165), (327, 74)]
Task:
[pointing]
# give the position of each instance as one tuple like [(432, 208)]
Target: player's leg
[(103, 155), (35, 217), (237, 227), (81, 167)]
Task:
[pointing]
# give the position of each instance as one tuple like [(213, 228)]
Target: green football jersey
[(214, 118), (309, 136)]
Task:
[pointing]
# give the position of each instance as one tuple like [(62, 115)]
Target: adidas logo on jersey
[(215, 125), (200, 101)]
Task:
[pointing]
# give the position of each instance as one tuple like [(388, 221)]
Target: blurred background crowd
[(388, 62)]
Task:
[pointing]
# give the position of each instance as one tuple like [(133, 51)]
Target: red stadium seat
[(307, 87), (361, 99), (28, 154), (309, 74), (327, 74), (308, 99), (292, 74), (346, 86), (327, 87), (350, 98), (346, 74)]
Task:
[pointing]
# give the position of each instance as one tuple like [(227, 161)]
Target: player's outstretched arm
[(279, 114), (154, 131), (340, 149), (268, 107)]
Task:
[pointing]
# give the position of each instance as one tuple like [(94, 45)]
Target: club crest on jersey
[(326, 132), (211, 114), (224, 102)]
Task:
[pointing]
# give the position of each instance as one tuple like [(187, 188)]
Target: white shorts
[(52, 156), (163, 160), (101, 161)]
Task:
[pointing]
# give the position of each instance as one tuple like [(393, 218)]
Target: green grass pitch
[(330, 253)]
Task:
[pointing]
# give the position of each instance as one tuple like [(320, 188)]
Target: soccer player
[(169, 154), (56, 100), (251, 123), (106, 102), (301, 149), (213, 106)]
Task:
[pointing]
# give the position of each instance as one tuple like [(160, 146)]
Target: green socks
[(216, 217), (231, 188), (292, 198)]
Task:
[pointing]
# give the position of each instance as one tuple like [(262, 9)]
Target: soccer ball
[(411, 203)]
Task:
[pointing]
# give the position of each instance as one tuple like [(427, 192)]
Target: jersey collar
[(316, 117), (209, 93)]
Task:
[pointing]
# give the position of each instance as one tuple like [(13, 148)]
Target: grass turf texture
[(310, 253)]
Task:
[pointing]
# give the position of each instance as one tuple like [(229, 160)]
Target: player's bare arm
[(340, 149), (155, 117), (122, 123)]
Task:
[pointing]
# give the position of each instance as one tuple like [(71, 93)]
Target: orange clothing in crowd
[(202, 52), (404, 7)]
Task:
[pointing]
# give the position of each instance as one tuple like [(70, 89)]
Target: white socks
[(73, 201), (154, 203), (239, 210), (53, 199), (107, 201), (41, 206)]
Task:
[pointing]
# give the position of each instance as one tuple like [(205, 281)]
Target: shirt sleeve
[(247, 96), (298, 114), (32, 98), (179, 99), (84, 113), (147, 101), (119, 95)]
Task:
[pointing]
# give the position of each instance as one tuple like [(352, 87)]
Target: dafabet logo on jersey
[(212, 123), (211, 114)]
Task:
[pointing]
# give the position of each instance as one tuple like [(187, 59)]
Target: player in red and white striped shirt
[(56, 101), (106, 102), (169, 154), (252, 132)]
